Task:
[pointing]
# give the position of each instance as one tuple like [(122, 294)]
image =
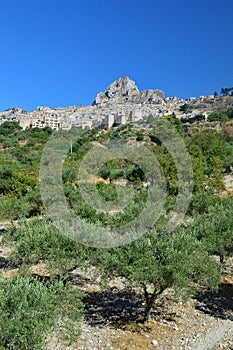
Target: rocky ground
[(205, 322), (228, 181)]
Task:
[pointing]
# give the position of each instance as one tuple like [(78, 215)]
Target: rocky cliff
[(125, 90), (119, 91)]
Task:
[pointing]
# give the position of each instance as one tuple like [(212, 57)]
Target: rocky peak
[(125, 90), (120, 90)]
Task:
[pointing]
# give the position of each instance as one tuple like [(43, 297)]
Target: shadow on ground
[(121, 308), (112, 307), (217, 304), (2, 231), (7, 264)]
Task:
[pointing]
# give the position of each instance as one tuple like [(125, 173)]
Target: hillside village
[(120, 104)]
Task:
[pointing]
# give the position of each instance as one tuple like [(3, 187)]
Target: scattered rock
[(154, 342)]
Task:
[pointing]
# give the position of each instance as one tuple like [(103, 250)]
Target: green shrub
[(13, 208), (37, 240), (30, 309), (214, 228)]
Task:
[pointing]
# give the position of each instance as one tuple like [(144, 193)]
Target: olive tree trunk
[(150, 300)]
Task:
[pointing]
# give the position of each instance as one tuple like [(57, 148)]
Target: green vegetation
[(226, 91), (31, 308), (221, 115), (196, 118), (213, 225), (20, 153), (159, 260), (186, 108), (37, 240), (8, 128), (211, 154)]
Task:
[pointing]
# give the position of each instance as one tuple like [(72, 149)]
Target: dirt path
[(220, 336)]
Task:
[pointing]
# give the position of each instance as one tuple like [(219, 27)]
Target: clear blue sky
[(63, 52)]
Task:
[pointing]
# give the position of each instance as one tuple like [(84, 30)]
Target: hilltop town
[(120, 104)]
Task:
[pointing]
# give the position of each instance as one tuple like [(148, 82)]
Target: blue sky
[(63, 52)]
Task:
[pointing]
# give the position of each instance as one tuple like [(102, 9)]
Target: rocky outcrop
[(151, 96), (124, 90), (120, 90)]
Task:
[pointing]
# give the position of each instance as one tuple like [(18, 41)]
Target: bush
[(221, 115), (37, 240), (13, 208), (8, 128), (30, 309), (214, 228)]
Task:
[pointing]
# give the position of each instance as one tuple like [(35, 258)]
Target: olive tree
[(214, 229), (160, 260)]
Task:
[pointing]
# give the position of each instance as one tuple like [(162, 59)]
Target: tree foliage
[(158, 261), (214, 228), (29, 309), (226, 91)]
